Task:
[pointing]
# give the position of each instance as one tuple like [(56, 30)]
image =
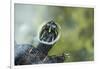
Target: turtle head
[(49, 32)]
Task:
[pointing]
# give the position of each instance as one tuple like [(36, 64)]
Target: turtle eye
[(48, 24), (53, 26)]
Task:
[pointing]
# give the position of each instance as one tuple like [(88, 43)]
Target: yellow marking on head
[(50, 29)]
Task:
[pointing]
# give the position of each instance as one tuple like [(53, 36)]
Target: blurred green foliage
[(77, 34)]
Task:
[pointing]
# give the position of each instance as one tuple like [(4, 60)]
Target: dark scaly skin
[(29, 55)]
